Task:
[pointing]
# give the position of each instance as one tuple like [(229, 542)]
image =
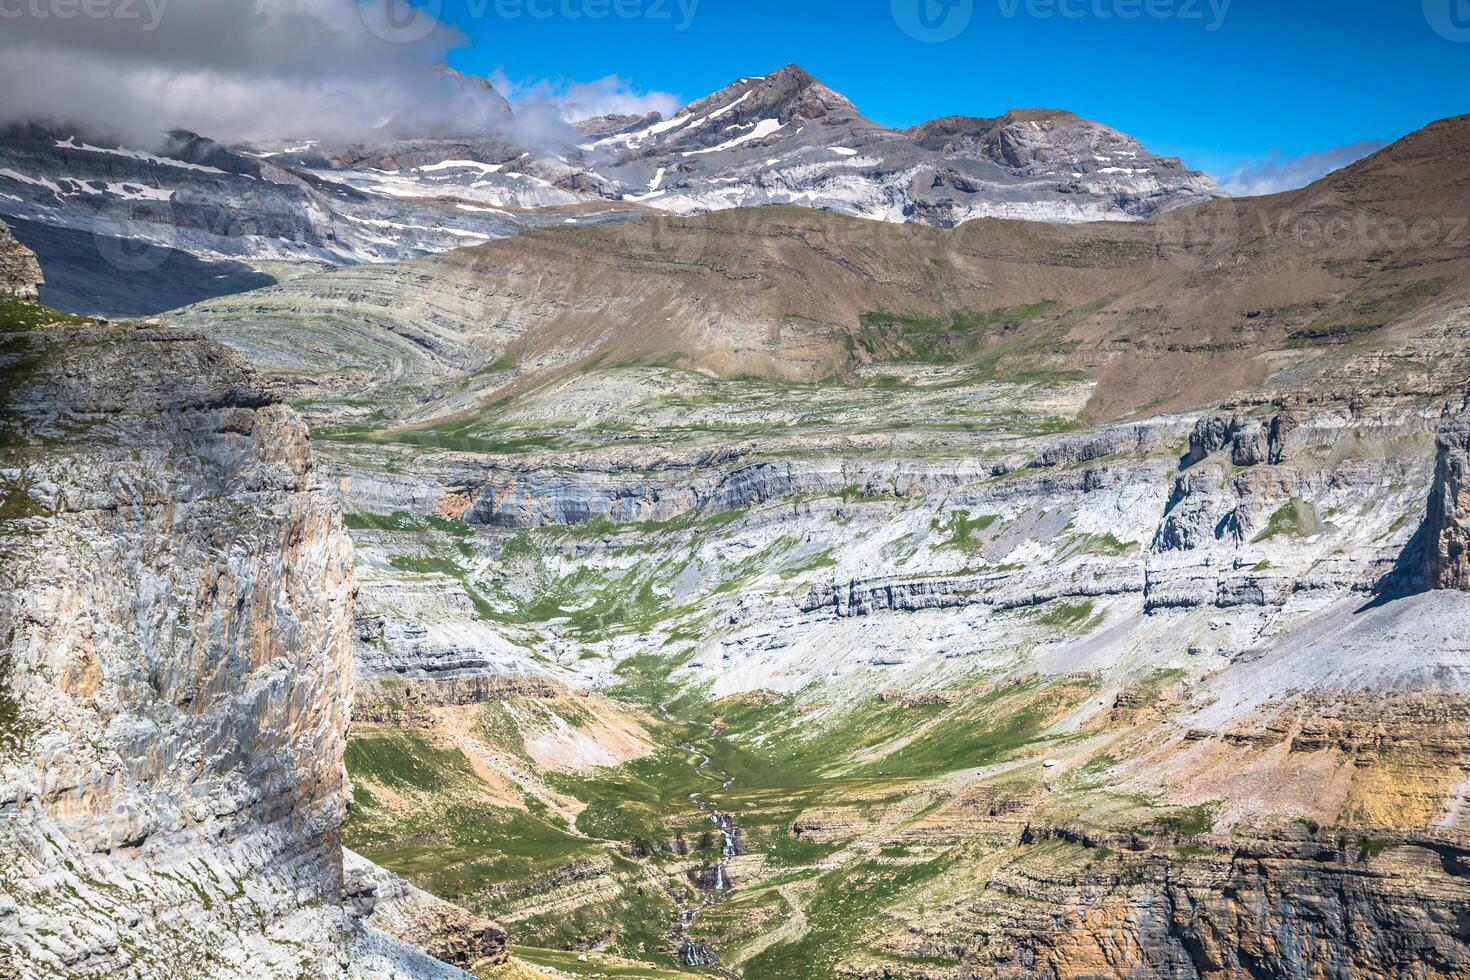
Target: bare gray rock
[(1447, 527), (1209, 436), (175, 670), (1251, 444), (20, 275), (785, 138)]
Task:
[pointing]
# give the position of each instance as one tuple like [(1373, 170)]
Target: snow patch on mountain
[(762, 129)]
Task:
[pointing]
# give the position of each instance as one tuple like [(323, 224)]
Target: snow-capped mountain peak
[(786, 138), (432, 184)]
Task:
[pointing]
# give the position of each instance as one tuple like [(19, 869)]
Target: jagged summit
[(949, 131), (787, 138), (791, 92), (1033, 141), (749, 113), (954, 124)]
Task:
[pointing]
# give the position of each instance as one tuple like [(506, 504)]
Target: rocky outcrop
[(19, 274), (1251, 441), (1447, 526), (864, 597), (1283, 908), (1210, 435), (1141, 438), (446, 931), (409, 702), (175, 676), (632, 490)]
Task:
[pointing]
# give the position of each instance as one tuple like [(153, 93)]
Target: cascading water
[(692, 953)]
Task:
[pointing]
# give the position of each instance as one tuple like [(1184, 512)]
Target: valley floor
[(971, 690)]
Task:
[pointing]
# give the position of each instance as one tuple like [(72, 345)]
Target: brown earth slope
[(1213, 298)]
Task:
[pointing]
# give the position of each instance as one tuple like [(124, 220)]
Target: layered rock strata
[(1447, 527), (446, 931), (176, 674)]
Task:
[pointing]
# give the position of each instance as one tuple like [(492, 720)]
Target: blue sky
[(1220, 83)]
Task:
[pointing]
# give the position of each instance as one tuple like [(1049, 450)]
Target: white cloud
[(243, 70), (1273, 173), (571, 101), (235, 70)]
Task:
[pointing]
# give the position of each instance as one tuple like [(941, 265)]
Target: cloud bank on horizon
[(1274, 173), (249, 70)]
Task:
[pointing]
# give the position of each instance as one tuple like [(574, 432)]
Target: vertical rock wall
[(175, 666), (1447, 542), (19, 273)]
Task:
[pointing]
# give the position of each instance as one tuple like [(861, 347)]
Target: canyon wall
[(176, 673), (1447, 528)]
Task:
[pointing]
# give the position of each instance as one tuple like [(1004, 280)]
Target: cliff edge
[(175, 669)]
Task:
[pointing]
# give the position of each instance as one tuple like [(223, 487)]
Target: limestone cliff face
[(19, 273), (175, 667), (1447, 529)]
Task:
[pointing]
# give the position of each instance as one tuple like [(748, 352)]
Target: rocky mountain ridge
[(1213, 297), (786, 138), (128, 232), (191, 219)]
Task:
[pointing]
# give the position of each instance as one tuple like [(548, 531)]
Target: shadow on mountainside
[(80, 280)]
